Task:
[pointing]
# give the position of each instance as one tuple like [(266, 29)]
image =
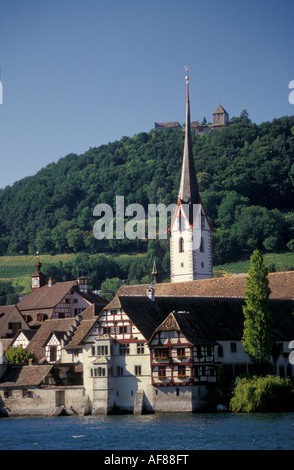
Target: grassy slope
[(20, 268)]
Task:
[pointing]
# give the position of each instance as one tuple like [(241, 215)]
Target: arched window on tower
[(181, 245), (180, 220), (202, 245)]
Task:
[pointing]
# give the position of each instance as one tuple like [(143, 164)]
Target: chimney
[(151, 293)]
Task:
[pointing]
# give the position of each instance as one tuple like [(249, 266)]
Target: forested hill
[(245, 173)]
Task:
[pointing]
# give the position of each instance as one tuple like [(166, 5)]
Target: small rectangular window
[(233, 347), (140, 348), (124, 349), (138, 370)]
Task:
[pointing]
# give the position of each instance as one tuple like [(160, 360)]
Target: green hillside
[(246, 178)]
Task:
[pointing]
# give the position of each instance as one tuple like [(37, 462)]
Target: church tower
[(38, 279), (190, 242)]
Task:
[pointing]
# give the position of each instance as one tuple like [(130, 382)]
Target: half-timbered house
[(56, 300)]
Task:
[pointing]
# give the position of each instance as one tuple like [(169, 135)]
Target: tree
[(258, 325), (109, 287), (19, 355), (75, 239)]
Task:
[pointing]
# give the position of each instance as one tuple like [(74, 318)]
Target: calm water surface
[(215, 431)]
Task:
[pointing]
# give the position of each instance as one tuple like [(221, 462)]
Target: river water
[(205, 431)]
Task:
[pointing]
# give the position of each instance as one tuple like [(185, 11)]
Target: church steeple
[(189, 189), (190, 242)]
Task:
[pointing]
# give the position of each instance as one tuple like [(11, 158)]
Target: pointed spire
[(189, 190), (154, 272)]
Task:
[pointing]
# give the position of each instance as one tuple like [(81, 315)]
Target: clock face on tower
[(35, 282)]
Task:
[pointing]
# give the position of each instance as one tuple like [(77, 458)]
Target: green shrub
[(19, 355), (270, 393)]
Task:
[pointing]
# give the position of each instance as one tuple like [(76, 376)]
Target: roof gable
[(46, 297)]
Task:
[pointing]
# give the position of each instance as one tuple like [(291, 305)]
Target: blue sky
[(82, 73)]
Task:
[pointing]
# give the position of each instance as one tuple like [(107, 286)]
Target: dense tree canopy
[(246, 178)]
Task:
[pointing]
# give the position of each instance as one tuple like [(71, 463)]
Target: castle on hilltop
[(220, 119)]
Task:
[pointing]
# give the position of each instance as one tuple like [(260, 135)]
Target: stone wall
[(51, 401)]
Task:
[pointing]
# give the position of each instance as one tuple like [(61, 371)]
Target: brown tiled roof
[(36, 345), (5, 343), (45, 297), (92, 297), (220, 109), (25, 375), (167, 124), (80, 334), (61, 326), (281, 285), (5, 312)]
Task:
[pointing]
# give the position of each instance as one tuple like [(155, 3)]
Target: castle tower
[(190, 242), (220, 117)]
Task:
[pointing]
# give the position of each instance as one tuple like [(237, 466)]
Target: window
[(181, 371), (162, 372), (168, 334), (53, 354), (202, 245), (98, 372), (280, 347), (124, 349), (181, 353), (27, 394), (27, 318), (41, 317), (7, 393), (199, 352), (14, 326), (161, 353), (140, 348), (180, 220), (93, 350), (102, 350), (120, 371), (220, 351), (138, 370), (122, 330), (233, 347), (106, 330), (181, 245)]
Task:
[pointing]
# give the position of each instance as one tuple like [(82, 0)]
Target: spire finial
[(187, 82)]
